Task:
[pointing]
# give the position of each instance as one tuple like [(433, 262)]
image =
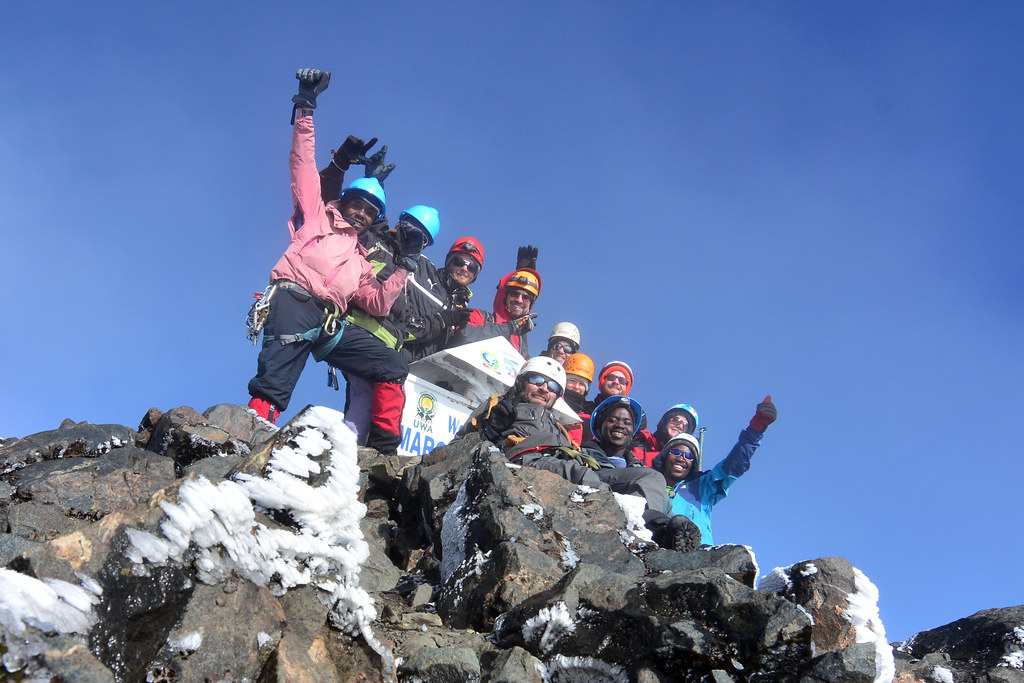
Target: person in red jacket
[(322, 272), (510, 318)]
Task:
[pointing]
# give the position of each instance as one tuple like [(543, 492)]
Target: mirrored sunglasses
[(562, 346), (541, 380), (618, 379), (680, 453)]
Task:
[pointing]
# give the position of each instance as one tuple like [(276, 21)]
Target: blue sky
[(817, 201)]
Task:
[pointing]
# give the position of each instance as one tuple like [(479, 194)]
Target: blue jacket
[(696, 495)]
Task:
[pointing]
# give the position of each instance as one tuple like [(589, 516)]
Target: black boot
[(676, 533), (383, 442)]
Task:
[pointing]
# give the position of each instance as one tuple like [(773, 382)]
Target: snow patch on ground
[(777, 580), (563, 669), (633, 507)]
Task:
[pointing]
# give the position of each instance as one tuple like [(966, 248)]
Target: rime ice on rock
[(633, 507), (215, 526), (563, 669), (48, 605), (550, 624), (862, 611)]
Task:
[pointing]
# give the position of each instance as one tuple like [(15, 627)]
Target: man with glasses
[(562, 343), (693, 493), (322, 273), (510, 318)]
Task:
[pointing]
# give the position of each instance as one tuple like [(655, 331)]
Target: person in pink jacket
[(322, 272)]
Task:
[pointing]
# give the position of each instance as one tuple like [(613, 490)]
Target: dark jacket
[(536, 428), (430, 291)]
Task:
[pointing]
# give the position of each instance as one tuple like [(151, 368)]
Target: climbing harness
[(257, 316)]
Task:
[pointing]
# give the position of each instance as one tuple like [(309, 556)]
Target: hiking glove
[(502, 415), (352, 151), (524, 324), (375, 166), (454, 318), (312, 82), (410, 245), (527, 257), (765, 415)]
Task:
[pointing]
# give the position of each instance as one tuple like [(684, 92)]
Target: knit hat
[(621, 367)]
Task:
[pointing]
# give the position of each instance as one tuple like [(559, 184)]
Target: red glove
[(765, 415)]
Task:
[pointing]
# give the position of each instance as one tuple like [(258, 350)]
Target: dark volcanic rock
[(69, 440), (478, 570)]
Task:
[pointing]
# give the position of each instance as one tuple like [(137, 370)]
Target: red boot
[(264, 410)]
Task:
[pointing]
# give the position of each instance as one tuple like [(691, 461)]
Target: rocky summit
[(212, 547)]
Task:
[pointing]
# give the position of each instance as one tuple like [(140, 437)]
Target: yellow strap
[(366, 321)]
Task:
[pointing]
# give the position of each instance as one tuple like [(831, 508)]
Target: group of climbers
[(361, 296)]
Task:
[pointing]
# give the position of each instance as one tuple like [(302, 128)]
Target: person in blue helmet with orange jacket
[(694, 493)]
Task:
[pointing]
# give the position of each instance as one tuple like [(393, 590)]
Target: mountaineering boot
[(264, 410), (679, 533)]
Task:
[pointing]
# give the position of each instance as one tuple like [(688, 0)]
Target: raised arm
[(302, 160)]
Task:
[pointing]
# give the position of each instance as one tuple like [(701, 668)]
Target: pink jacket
[(325, 256)]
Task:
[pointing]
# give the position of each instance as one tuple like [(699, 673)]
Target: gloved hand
[(524, 324), (454, 318), (353, 151), (312, 82), (410, 245), (527, 257), (375, 166), (765, 415), (502, 415)]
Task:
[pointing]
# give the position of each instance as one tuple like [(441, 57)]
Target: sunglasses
[(541, 380), (618, 379), (562, 346), (679, 421), (679, 452), (516, 293), (467, 263)]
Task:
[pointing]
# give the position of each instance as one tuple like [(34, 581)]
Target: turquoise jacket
[(696, 495)]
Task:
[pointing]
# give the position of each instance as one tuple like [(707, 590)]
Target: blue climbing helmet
[(426, 218), (691, 418), (369, 189), (616, 402)]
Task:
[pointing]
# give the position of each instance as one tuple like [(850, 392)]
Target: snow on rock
[(563, 669), (633, 507), (862, 611), (550, 624), (777, 580), (215, 525), (1014, 641), (185, 643), (48, 605)]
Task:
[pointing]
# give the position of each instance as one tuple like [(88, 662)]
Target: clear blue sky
[(817, 201)]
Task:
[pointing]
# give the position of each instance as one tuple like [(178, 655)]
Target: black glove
[(502, 415), (312, 82), (375, 166), (352, 151), (527, 257), (410, 245), (454, 318)]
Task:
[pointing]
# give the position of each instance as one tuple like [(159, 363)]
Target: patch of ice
[(942, 675), (532, 510), (862, 611), (633, 507), (185, 642), (48, 605), (1014, 641), (549, 625), (777, 581), (563, 669), (569, 557), (263, 639), (809, 570)]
